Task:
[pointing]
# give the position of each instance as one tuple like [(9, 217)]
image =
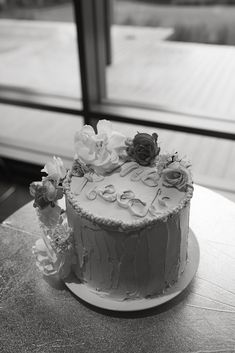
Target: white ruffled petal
[(104, 127), (87, 130), (55, 168), (84, 152), (116, 141)]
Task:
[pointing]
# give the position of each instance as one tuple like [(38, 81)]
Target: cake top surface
[(126, 181)]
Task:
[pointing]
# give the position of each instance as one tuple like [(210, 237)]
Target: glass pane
[(38, 47), (33, 135), (174, 56)]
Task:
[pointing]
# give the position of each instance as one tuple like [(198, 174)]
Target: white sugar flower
[(54, 251), (100, 151), (55, 169), (51, 263)]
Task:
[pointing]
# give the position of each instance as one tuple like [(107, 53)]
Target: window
[(136, 73)]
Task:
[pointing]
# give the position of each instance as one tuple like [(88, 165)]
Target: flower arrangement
[(52, 251), (49, 190)]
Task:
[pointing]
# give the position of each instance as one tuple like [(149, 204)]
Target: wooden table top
[(39, 315)]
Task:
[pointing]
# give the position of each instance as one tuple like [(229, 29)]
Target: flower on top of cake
[(97, 154), (175, 176), (100, 152), (143, 148), (175, 171)]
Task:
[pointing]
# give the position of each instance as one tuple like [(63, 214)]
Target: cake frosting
[(124, 230)]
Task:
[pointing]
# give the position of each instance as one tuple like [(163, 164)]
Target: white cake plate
[(84, 293)]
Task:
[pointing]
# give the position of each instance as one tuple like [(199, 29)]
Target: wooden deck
[(145, 69)]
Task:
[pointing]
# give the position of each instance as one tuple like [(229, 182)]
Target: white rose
[(100, 151)]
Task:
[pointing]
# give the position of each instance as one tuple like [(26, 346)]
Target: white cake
[(127, 209)]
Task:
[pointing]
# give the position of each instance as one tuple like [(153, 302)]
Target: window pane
[(33, 135), (179, 58), (38, 47)]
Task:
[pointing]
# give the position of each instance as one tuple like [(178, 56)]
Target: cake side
[(127, 253), (129, 264)]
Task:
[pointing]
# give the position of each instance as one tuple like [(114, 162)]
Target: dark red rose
[(144, 148)]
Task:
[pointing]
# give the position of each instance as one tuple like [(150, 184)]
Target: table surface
[(39, 315)]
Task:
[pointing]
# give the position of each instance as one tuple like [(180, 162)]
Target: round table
[(40, 315)]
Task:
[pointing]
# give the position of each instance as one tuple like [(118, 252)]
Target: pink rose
[(176, 176)]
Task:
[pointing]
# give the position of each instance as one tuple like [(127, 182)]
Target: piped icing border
[(119, 224)]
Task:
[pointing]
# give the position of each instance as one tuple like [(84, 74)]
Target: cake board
[(93, 298)]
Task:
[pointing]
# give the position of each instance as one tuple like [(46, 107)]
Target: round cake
[(124, 234)]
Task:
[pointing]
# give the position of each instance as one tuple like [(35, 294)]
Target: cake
[(123, 231)]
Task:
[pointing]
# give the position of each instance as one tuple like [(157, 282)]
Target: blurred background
[(175, 58)]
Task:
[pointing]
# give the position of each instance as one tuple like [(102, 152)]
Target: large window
[(176, 57)]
